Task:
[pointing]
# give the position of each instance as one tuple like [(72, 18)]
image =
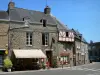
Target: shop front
[(64, 59), (2, 53), (28, 59)]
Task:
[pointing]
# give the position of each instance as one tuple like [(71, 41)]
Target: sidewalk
[(14, 72)]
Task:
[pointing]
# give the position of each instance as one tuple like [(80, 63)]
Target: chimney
[(47, 10), (11, 5)]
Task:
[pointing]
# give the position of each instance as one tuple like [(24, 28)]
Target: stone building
[(34, 30), (77, 47), (94, 51), (3, 34), (84, 52), (34, 36), (80, 49)]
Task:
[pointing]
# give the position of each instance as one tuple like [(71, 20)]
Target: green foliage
[(7, 63), (55, 64), (43, 65)]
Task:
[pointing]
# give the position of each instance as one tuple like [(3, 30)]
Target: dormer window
[(41, 20), (26, 22), (44, 22)]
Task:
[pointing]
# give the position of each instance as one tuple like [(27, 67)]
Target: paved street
[(90, 69)]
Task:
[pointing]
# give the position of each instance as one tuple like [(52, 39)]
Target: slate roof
[(18, 14), (3, 15), (77, 34), (83, 39), (60, 26), (95, 43), (34, 16)]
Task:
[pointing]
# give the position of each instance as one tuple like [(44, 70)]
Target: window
[(1, 60), (95, 53), (67, 34), (41, 20), (93, 47), (99, 52), (64, 59), (26, 22), (90, 53), (53, 40), (44, 22), (45, 39), (89, 47), (29, 38)]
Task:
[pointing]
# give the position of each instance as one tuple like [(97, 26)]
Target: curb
[(15, 72)]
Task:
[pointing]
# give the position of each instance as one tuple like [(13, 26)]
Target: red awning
[(64, 53)]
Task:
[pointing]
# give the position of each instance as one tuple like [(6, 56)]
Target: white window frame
[(46, 39), (26, 22), (29, 38)]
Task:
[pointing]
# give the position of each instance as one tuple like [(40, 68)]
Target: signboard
[(66, 36)]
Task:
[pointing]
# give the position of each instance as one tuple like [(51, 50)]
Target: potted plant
[(7, 64)]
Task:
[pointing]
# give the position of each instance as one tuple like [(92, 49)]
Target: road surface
[(89, 69)]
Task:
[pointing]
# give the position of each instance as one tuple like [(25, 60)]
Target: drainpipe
[(74, 53), (9, 36), (84, 56), (57, 49)]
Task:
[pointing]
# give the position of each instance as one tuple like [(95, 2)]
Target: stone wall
[(3, 35)]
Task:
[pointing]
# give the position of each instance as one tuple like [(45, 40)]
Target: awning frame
[(29, 53)]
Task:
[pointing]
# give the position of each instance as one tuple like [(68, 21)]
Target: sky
[(82, 15)]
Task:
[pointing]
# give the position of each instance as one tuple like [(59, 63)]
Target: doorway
[(49, 57)]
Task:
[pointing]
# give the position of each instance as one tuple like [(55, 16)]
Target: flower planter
[(9, 70), (8, 64)]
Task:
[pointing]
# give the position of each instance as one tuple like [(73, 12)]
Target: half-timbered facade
[(66, 36)]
